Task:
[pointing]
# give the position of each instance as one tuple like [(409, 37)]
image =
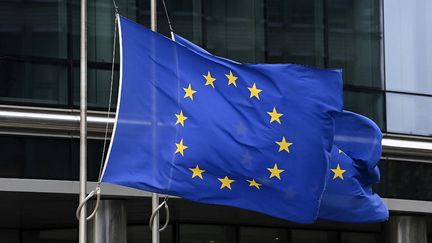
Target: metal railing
[(52, 122)]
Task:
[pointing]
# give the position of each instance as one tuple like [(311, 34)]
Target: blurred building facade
[(383, 47)]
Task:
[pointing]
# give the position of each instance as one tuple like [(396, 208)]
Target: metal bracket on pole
[(84, 202), (156, 212)]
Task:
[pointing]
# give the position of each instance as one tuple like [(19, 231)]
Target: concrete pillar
[(109, 225), (405, 229)]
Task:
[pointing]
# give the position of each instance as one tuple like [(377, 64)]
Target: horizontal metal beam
[(110, 191), (65, 122)]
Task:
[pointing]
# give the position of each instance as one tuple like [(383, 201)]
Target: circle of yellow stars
[(274, 117)]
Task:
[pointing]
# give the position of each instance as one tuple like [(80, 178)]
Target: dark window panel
[(50, 236), (235, 29), (313, 236), (142, 234), (415, 184), (295, 32), (359, 238), (262, 235), (46, 158), (33, 83), (100, 27), (354, 41), (367, 103), (10, 235), (189, 233), (409, 114), (98, 88), (31, 157), (94, 159), (34, 28)]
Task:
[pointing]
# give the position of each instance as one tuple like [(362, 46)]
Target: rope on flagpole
[(169, 21), (97, 190)]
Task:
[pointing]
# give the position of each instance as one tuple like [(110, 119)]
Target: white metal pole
[(155, 196), (83, 122)]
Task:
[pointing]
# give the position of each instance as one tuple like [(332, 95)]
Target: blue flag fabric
[(257, 137), (348, 196)]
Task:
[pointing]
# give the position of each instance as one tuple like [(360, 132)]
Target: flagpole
[(83, 123), (155, 196)]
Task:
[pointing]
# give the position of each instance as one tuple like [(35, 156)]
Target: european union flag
[(348, 196), (215, 131)]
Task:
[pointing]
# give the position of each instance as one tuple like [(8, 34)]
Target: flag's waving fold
[(215, 131), (348, 196)]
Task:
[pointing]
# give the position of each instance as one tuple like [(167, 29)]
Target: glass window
[(50, 236), (263, 235), (359, 238), (354, 40), (408, 52), (295, 32), (409, 114), (190, 233), (100, 27), (369, 104), (313, 236), (34, 28), (142, 234), (46, 158), (9, 236), (98, 87), (415, 184), (235, 29), (33, 83)]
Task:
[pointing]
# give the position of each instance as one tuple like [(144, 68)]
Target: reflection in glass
[(33, 83), (408, 49), (262, 235), (369, 104), (409, 114), (190, 233), (313, 236)]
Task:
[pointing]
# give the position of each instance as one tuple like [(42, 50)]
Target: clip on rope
[(164, 203)]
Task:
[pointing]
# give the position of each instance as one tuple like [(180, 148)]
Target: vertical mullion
[(326, 34)]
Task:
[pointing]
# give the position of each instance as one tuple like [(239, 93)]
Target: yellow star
[(231, 79), (209, 79), (226, 182), (197, 172), (340, 151), (181, 118), (254, 183), (189, 92), (283, 145), (275, 171), (338, 172), (254, 91), (180, 147), (274, 116)]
